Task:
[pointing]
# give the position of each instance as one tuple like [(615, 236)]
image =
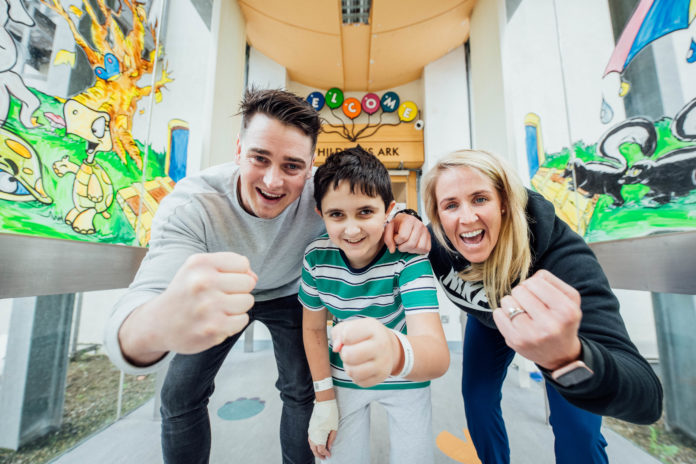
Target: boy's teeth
[(270, 194), (471, 234)]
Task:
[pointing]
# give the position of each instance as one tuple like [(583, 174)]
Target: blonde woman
[(531, 285)]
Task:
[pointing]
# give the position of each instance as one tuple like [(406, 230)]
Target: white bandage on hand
[(324, 419)]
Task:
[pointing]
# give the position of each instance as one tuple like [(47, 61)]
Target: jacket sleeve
[(624, 385), (177, 233)]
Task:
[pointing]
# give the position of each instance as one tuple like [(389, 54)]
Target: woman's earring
[(502, 211)]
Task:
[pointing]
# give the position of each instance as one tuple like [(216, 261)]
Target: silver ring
[(514, 312)]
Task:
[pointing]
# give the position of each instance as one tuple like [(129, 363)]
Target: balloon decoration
[(408, 111), (334, 98), (316, 99), (370, 104), (351, 108), (390, 102)]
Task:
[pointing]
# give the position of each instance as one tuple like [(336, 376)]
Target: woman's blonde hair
[(511, 257)]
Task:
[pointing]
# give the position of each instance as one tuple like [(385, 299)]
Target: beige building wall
[(227, 65), (489, 129)]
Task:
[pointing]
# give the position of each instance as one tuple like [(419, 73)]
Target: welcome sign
[(369, 104), (396, 138)]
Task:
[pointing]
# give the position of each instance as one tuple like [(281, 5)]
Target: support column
[(675, 319), (32, 388)]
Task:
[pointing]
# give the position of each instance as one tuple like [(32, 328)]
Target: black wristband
[(410, 212)]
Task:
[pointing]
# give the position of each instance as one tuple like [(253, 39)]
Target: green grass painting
[(639, 215), (52, 144)]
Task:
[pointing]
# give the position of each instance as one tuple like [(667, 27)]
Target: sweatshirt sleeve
[(308, 294), (177, 233), (623, 385)]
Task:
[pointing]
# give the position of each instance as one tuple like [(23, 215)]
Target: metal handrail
[(33, 266), (663, 263)]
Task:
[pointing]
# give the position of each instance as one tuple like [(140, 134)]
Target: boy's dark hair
[(284, 106), (362, 169)]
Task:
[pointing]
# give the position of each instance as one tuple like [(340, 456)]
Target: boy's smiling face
[(355, 222)]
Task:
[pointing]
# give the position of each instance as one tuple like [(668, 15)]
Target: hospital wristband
[(408, 354), (323, 384)]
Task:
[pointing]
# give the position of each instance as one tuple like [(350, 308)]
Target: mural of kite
[(651, 20)]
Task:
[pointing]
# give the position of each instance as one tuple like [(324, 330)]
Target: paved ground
[(135, 438)]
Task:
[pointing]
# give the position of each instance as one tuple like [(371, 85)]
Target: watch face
[(575, 376)]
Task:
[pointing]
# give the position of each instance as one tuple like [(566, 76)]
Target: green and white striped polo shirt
[(391, 286)]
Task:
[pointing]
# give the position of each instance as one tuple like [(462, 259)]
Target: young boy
[(382, 296)]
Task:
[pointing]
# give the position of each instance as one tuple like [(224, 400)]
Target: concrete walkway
[(135, 438)]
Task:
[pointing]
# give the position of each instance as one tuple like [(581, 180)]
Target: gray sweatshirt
[(203, 215)]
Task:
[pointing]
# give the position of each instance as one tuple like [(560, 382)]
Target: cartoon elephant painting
[(10, 81)]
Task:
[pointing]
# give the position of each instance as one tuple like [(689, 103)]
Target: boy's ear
[(238, 151), (318, 212), (390, 207)]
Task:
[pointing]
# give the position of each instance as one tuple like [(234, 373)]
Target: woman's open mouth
[(473, 237)]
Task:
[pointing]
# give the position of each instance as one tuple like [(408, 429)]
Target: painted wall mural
[(70, 166), (639, 178)]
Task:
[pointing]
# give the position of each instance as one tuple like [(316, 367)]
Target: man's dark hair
[(362, 169), (284, 106)]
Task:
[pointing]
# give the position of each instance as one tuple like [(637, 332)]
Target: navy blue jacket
[(624, 385)]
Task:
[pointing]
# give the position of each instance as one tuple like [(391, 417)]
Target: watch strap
[(410, 212)]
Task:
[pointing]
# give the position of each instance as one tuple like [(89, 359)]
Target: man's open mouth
[(270, 196)]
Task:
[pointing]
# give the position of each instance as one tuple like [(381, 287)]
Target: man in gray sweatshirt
[(226, 249)]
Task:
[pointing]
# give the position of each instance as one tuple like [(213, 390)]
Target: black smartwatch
[(572, 374)]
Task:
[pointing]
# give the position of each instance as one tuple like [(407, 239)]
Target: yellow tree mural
[(118, 63)]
